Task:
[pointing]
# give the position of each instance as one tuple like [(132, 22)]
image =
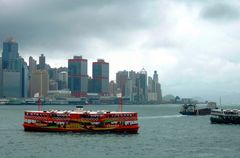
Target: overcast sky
[(194, 45)]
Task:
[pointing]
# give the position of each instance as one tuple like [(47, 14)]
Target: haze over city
[(193, 45)]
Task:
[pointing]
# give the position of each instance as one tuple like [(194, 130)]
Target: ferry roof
[(81, 112)]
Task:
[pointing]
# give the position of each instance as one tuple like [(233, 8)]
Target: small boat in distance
[(191, 109), (81, 121), (225, 116)]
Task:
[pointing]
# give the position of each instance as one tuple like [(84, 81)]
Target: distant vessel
[(4, 101), (81, 121), (191, 109), (225, 116)]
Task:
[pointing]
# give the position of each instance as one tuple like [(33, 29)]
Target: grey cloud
[(220, 11), (68, 25)]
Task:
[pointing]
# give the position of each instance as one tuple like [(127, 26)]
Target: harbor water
[(163, 133)]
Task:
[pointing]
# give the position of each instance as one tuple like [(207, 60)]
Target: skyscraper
[(32, 64), (39, 83), (10, 55), (1, 77), (141, 84), (42, 62), (121, 80), (62, 80), (157, 87), (112, 88), (154, 89), (77, 76), (14, 69), (100, 74)]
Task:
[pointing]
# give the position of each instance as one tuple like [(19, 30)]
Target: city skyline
[(193, 45)]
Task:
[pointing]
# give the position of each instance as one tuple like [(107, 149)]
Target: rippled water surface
[(163, 133)]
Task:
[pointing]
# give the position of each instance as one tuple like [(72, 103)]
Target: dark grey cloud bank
[(194, 44), (66, 25)]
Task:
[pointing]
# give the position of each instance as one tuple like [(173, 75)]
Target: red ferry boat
[(81, 121)]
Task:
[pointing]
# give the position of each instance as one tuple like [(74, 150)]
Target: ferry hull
[(33, 127), (225, 120)]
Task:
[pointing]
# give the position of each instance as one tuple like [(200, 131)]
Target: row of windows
[(45, 115)]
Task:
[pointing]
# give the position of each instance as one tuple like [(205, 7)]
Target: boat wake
[(157, 117)]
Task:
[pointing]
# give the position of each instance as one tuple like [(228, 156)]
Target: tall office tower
[(132, 86), (1, 78), (112, 88), (39, 83), (42, 62), (77, 76), (10, 55), (155, 77), (24, 78), (157, 87), (100, 74), (121, 80), (141, 83), (63, 80), (13, 66), (32, 64)]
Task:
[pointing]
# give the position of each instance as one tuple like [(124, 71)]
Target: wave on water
[(157, 117)]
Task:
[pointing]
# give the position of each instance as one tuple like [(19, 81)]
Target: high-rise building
[(32, 65), (155, 77), (77, 76), (10, 56), (63, 80), (42, 62), (141, 84), (154, 89), (100, 74), (1, 78), (121, 80), (157, 87), (12, 66), (132, 86), (11, 84), (39, 83), (112, 88)]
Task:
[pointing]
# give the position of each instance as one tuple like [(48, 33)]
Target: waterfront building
[(13, 65), (11, 84), (100, 74), (39, 83), (59, 94), (121, 80), (77, 76)]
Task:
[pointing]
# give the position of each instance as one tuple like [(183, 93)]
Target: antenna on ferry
[(220, 101), (120, 104), (36, 95)]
